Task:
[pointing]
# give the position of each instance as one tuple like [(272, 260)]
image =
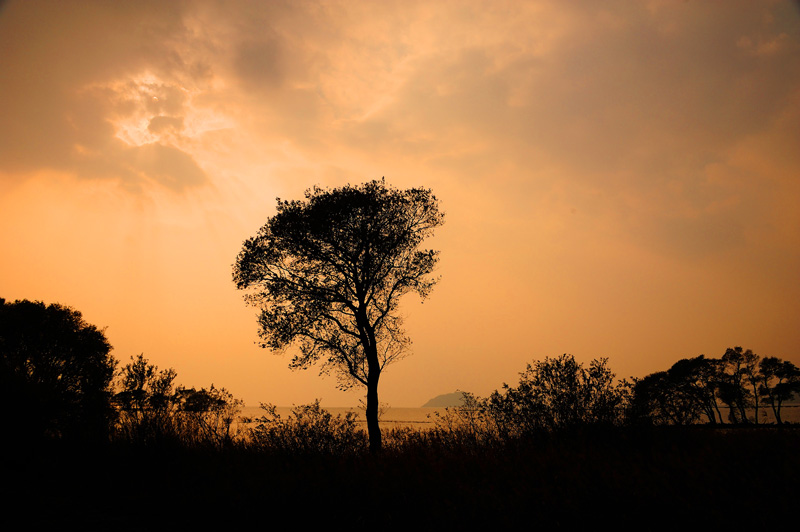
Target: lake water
[(418, 418), (422, 418)]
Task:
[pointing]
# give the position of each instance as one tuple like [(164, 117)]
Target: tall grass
[(312, 468)]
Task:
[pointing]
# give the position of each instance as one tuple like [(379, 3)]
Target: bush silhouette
[(309, 429), (152, 410)]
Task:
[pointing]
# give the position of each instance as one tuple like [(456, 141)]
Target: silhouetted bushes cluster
[(56, 375), (555, 394), (57, 382), (153, 411), (566, 446), (558, 395)]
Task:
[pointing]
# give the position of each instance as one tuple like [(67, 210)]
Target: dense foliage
[(328, 272), (55, 372)]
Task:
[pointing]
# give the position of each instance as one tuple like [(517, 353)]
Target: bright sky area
[(620, 179)]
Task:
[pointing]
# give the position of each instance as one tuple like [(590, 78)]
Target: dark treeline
[(102, 446), (58, 381), (693, 389), (559, 394)]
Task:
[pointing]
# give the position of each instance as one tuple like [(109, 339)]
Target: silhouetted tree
[(328, 273), (146, 400), (55, 372), (660, 400), (780, 380), (752, 377), (733, 375), (697, 380), (696, 386), (679, 396), (208, 414)]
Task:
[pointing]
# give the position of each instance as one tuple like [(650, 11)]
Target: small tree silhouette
[(152, 409), (559, 393)]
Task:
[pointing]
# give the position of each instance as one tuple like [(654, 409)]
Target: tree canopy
[(328, 273), (55, 371)]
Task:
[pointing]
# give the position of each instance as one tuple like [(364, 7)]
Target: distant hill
[(449, 399)]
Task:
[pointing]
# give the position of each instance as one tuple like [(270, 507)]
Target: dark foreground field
[(642, 479)]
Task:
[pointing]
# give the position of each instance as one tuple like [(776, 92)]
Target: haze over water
[(424, 418)]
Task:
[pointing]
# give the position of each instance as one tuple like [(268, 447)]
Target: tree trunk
[(373, 376), (716, 407), (373, 427), (369, 344), (755, 402)]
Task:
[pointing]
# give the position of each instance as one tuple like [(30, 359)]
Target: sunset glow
[(620, 179)]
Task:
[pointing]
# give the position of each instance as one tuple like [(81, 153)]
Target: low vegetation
[(152, 410), (567, 445)]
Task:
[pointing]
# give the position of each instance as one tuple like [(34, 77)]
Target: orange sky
[(620, 179)]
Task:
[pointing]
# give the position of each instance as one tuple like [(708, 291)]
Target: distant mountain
[(449, 399)]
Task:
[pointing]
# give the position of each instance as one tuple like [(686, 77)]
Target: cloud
[(629, 104), (260, 64), (73, 72), (170, 166), (624, 106), (161, 124), (629, 167)]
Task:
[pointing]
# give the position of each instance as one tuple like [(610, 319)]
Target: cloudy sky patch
[(619, 178)]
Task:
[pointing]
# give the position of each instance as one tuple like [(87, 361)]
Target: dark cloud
[(260, 64)]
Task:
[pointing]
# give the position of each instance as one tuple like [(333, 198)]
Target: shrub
[(552, 395), (309, 429)]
